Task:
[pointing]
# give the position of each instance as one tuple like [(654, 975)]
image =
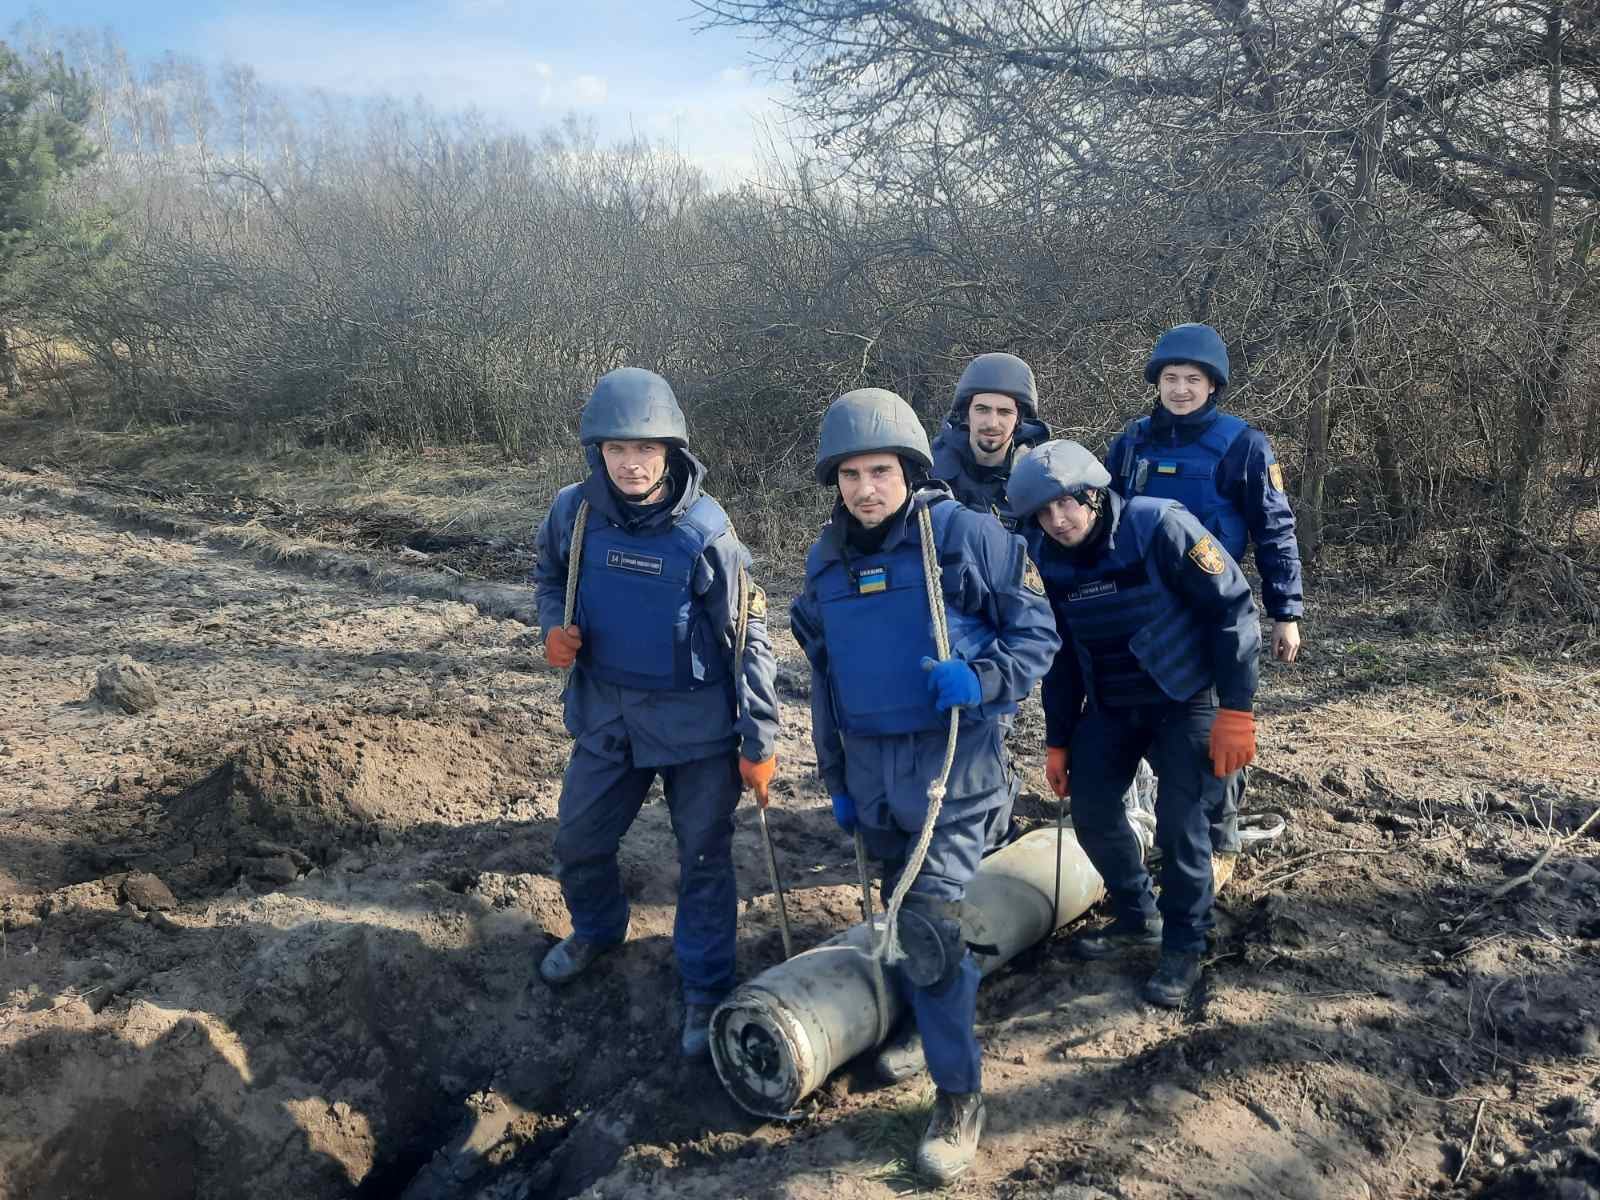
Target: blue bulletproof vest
[(1188, 474), (875, 619), (1136, 641), (642, 626)]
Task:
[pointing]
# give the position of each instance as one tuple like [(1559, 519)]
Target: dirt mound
[(351, 796), (340, 780), (1564, 1162)]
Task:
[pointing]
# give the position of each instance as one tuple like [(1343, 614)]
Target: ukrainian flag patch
[(872, 580), (1166, 468)]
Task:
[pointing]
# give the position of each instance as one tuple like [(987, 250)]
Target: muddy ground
[(275, 937)]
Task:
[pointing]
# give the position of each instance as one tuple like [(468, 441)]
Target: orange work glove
[(1056, 773), (1233, 741), (561, 646), (758, 776)]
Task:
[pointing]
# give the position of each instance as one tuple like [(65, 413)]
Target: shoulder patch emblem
[(1030, 576), (1275, 476), (758, 602), (1207, 557)]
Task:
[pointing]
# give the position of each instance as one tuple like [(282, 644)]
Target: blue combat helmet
[(1050, 471), (869, 421), (631, 404), (1198, 344), (1005, 374)]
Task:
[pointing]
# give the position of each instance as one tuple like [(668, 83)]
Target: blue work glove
[(953, 683), (844, 812)]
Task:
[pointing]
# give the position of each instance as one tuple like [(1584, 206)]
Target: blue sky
[(632, 67)]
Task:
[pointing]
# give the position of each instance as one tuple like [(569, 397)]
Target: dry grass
[(465, 490), (39, 355), (891, 1133), (470, 491), (377, 569)]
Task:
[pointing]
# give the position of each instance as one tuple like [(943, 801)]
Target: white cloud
[(589, 90), (451, 72), (702, 109), (725, 129)]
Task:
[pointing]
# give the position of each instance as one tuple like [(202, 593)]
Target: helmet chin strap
[(654, 488), (1094, 499)]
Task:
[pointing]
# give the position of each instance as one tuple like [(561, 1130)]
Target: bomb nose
[(760, 1052)]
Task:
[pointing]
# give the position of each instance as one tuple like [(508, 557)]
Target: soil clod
[(126, 685)]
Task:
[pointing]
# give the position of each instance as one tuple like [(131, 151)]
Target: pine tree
[(43, 109)]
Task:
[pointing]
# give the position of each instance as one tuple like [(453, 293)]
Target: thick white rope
[(889, 949), (741, 630), (574, 558)]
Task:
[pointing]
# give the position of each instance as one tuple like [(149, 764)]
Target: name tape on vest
[(640, 564), (1090, 590)]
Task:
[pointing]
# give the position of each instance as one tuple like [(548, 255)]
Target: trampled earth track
[(350, 793)]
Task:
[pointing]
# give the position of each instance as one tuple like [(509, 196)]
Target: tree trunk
[(1344, 224), (1546, 373), (1314, 472), (9, 375), (1391, 479)]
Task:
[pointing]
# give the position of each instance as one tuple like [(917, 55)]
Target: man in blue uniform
[(994, 417), (1222, 470), (880, 704), (1161, 643), (655, 687)]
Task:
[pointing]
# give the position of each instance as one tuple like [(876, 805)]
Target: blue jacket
[(1223, 470), (980, 488), (1158, 613), (678, 567), (1000, 623)]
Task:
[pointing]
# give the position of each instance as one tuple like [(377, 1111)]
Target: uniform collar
[(1186, 428), (1113, 513)]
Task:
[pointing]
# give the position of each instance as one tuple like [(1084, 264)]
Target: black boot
[(900, 1056), (1115, 938), (1175, 975), (951, 1142)]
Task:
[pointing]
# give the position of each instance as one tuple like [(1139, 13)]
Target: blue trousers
[(946, 1012), (599, 801), (1107, 744), (1225, 824)]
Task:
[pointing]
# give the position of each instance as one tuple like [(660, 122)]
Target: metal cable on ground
[(1061, 837), (880, 986), (741, 632)]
